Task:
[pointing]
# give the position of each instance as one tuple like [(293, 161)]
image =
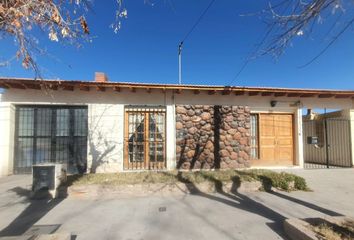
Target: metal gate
[(50, 134), (332, 145)]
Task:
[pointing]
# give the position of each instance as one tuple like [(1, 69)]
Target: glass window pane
[(136, 137), (80, 150), (44, 122), (24, 153), (25, 121), (160, 158), (77, 163), (63, 122), (160, 152), (152, 152), (43, 150), (62, 150), (254, 136), (80, 123)]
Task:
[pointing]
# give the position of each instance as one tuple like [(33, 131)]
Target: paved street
[(202, 216)]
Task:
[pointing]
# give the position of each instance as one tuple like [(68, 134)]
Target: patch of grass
[(283, 181), (286, 181), (123, 178), (349, 225), (325, 231), (300, 184)]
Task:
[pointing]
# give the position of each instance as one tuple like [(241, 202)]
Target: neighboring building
[(103, 126)]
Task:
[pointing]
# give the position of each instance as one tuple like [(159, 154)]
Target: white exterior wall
[(106, 117), (299, 144), (105, 137), (105, 122), (7, 126)]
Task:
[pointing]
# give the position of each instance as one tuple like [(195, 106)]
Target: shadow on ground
[(307, 204), (267, 186), (37, 208), (237, 200), (243, 202)]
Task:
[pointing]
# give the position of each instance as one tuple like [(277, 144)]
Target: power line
[(249, 57), (180, 46), (252, 54), (197, 22), (329, 44)]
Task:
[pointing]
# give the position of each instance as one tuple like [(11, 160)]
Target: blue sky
[(145, 49)]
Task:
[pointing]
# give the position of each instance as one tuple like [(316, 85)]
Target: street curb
[(101, 190)]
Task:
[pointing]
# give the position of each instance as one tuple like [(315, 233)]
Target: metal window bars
[(145, 138), (47, 134)]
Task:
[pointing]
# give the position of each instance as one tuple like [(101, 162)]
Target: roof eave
[(23, 84)]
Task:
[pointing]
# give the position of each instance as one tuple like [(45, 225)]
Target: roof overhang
[(33, 84)]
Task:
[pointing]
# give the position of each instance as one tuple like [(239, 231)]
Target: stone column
[(211, 136)]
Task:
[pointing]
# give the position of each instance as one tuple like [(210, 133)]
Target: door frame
[(145, 165), (254, 161)]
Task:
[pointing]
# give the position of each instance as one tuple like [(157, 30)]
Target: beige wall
[(349, 114), (105, 137), (336, 133), (7, 126), (352, 132), (106, 117)]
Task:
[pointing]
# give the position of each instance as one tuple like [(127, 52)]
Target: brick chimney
[(101, 77)]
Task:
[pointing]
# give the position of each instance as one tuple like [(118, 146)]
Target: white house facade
[(100, 126)]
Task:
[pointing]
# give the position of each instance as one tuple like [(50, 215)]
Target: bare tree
[(294, 18), (63, 21), (289, 19)]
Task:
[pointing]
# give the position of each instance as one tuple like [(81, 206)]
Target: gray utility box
[(312, 140), (48, 177)]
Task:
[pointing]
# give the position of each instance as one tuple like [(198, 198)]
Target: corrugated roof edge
[(15, 80)]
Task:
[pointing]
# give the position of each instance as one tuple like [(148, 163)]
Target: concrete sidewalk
[(242, 215), (333, 189)]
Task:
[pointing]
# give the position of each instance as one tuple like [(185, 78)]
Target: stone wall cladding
[(212, 137)]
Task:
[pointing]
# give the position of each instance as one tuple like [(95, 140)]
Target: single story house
[(103, 126)]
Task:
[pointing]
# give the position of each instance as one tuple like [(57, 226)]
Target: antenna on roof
[(180, 62)]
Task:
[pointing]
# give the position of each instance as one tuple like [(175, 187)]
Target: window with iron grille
[(145, 138), (51, 134), (254, 137)]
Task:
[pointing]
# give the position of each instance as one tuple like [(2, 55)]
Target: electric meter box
[(312, 140)]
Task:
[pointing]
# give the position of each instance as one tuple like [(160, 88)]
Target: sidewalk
[(243, 215)]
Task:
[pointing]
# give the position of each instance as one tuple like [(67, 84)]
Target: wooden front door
[(144, 140), (276, 140)]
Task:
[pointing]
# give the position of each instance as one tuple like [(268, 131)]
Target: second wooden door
[(276, 139)]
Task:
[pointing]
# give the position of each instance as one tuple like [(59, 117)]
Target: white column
[(7, 127), (299, 138), (170, 132)]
